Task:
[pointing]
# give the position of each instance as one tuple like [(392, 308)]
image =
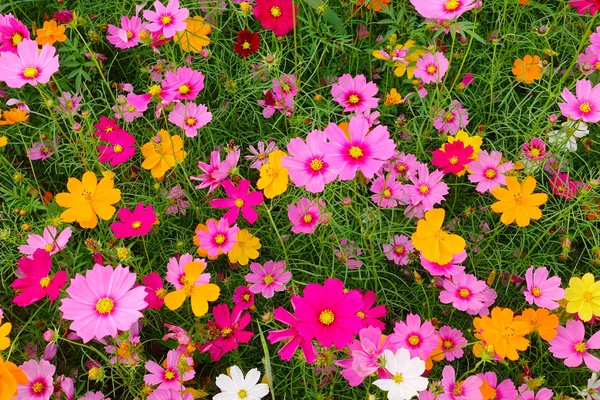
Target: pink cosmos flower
[(208, 178), (230, 331), (94, 396), (243, 297), (170, 394), (446, 270), (505, 390), (227, 168), (219, 238), (452, 342), (388, 193), (29, 65), (563, 186), (431, 67), (588, 61), (155, 291), (128, 35), (489, 171), (296, 339), (328, 314), (132, 106), (12, 33), (369, 315), (68, 104), (120, 150), (419, 339), (240, 199), (455, 119), (176, 200), (467, 389), (464, 291), (36, 282), (272, 102), (534, 149), (268, 278), (169, 377), (585, 105), (426, 189), (570, 345), (20, 104), (167, 20), (103, 302), (176, 271), (41, 150), (51, 241), (443, 9), (308, 165), (347, 254), (136, 223), (186, 83), (278, 15), (595, 41), (399, 249), (543, 291), (365, 151), (285, 87), (305, 215), (402, 166), (542, 394), (583, 6), (260, 156), (40, 376), (355, 94), (105, 126), (190, 117)]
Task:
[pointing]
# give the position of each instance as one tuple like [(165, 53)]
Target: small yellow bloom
[(195, 35), (583, 297), (435, 244), (50, 33), (518, 202), (273, 177), (162, 153), (245, 248), (200, 294), (393, 98), (3, 141)]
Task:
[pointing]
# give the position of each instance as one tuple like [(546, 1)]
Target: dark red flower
[(247, 43)]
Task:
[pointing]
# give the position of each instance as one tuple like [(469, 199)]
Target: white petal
[(384, 384), (390, 362), (419, 383), (259, 391), (407, 391), (252, 378), (237, 375), (415, 367), (226, 384)]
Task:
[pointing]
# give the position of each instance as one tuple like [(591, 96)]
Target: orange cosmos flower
[(505, 333), (10, 377), (517, 201), (14, 116), (50, 33), (541, 321), (528, 69), (195, 35)]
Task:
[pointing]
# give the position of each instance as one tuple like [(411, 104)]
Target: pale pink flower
[(51, 241), (29, 65), (453, 120), (452, 342), (432, 67), (464, 291), (169, 20), (542, 394), (268, 278), (260, 156), (388, 193), (40, 376), (190, 117), (399, 249), (169, 377), (489, 171), (543, 291), (128, 34), (133, 106), (427, 189), (443, 9)]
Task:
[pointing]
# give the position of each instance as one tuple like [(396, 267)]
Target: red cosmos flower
[(452, 157), (277, 15), (247, 43)]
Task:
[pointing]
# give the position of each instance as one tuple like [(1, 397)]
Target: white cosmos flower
[(567, 135), (593, 388), (239, 388), (406, 381)]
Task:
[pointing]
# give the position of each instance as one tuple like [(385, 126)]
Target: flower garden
[(287, 199)]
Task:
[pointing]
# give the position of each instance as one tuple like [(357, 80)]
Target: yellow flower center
[(448, 344), (268, 279), (457, 389), (45, 282), (401, 167), (326, 317), (245, 7), (219, 239), (136, 225), (49, 247), (587, 297), (242, 394), (449, 117), (398, 378), (518, 198), (184, 89), (536, 292), (87, 195), (597, 66), (161, 293), (454, 160), (424, 189), (226, 332), (166, 19), (108, 130), (509, 331), (399, 249), (239, 203), (30, 72), (307, 218), (122, 253), (585, 108), (38, 387), (105, 305), (356, 152), (16, 38), (451, 5), (464, 293), (190, 121), (117, 148), (490, 173), (316, 164), (535, 152), (580, 347), (386, 193), (131, 108), (169, 375), (276, 12), (246, 297), (414, 340), (361, 315), (353, 99), (245, 45), (431, 69), (154, 90), (129, 34)]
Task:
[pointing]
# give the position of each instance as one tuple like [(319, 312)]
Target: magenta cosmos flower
[(355, 94), (186, 83), (542, 394), (50, 241), (120, 150), (218, 238), (29, 65), (170, 394), (103, 302), (208, 178), (365, 151), (94, 396), (36, 282), (176, 271), (295, 339), (453, 120), (432, 67), (426, 189), (465, 292), (369, 315), (243, 297), (240, 199), (305, 215), (190, 117), (451, 343), (504, 390), (268, 278), (399, 249), (534, 149), (134, 223), (155, 291), (105, 126), (230, 331), (419, 339), (489, 171), (584, 6), (167, 20), (453, 390), (543, 291), (446, 270), (12, 32), (570, 345), (585, 105), (443, 9), (308, 165), (169, 377), (128, 35), (277, 15), (328, 314), (40, 376)]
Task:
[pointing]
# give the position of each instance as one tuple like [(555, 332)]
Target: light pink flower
[(260, 156), (419, 339), (446, 270), (40, 376), (452, 342), (29, 65), (402, 166), (443, 9), (268, 278), (543, 291), (453, 120), (463, 390), (170, 394), (132, 107), (347, 254), (431, 67), (489, 171), (305, 214), (355, 94), (426, 189), (169, 20), (399, 249), (585, 105), (190, 117), (464, 291), (51, 241), (542, 394), (570, 345), (388, 193)]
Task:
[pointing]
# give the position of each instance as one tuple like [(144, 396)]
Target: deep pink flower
[(443, 9), (355, 94), (426, 189), (170, 394), (489, 171), (190, 117), (464, 291), (504, 390), (365, 151), (399, 249), (136, 223), (105, 126), (167, 20), (29, 65), (169, 377), (388, 193), (51, 241), (296, 339), (463, 390), (208, 178), (176, 271), (103, 302), (120, 150), (219, 238), (419, 339), (12, 33), (63, 16), (585, 105), (370, 315), (432, 67), (186, 83), (305, 215), (132, 106), (40, 376), (243, 297), (260, 156), (155, 291), (230, 327), (446, 270), (128, 34), (328, 314), (542, 394), (543, 291), (583, 6), (452, 341), (453, 158), (240, 199), (228, 167), (278, 15), (285, 87), (308, 165), (453, 120), (534, 149), (268, 278), (563, 186), (36, 282), (570, 345)]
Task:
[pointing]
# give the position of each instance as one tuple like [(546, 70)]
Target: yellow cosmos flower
[(200, 294), (245, 248), (517, 201), (10, 377), (88, 199), (273, 177), (505, 333), (162, 153), (4, 332), (195, 35), (583, 297), (50, 33), (435, 244)]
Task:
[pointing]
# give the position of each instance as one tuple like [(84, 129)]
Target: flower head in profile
[(240, 200), (443, 9), (238, 387), (247, 43), (583, 297), (432, 67), (190, 117), (28, 65), (134, 223), (171, 376), (366, 355), (40, 376), (435, 244), (278, 15), (245, 248), (528, 69), (273, 176), (218, 238), (542, 291), (195, 36), (268, 278), (50, 241), (37, 282), (355, 94), (200, 294), (584, 105), (571, 346), (405, 375), (162, 153), (518, 202), (167, 20), (505, 333)]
